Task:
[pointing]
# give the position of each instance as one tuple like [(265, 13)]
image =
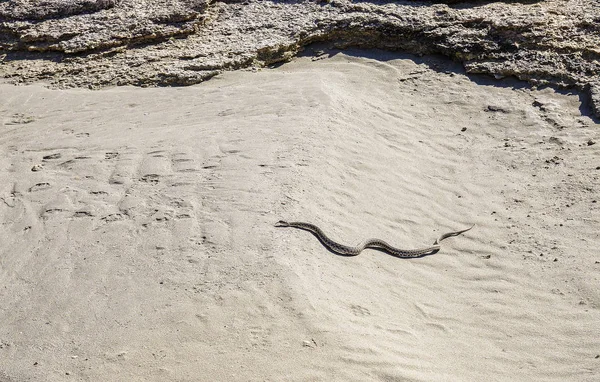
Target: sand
[(137, 239)]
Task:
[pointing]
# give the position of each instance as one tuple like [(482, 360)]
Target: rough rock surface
[(97, 43)]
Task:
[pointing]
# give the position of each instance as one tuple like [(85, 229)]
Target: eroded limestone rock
[(97, 43)]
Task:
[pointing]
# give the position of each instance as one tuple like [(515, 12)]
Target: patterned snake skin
[(369, 243)]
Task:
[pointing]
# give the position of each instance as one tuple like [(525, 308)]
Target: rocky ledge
[(96, 43)]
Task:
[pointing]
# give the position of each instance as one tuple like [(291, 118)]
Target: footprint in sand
[(20, 119), (39, 187), (360, 311)]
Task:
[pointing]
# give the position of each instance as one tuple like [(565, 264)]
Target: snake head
[(282, 223)]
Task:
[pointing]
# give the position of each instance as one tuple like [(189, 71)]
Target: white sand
[(147, 250)]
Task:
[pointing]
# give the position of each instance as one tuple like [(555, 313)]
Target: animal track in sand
[(360, 311)]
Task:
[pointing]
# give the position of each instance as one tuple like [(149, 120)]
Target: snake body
[(369, 243)]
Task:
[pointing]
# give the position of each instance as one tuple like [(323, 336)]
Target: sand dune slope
[(137, 238)]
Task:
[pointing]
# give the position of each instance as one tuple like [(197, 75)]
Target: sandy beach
[(137, 238)]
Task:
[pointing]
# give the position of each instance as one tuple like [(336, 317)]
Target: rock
[(595, 98), (96, 43), (46, 9)]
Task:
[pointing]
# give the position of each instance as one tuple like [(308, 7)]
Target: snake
[(379, 244)]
